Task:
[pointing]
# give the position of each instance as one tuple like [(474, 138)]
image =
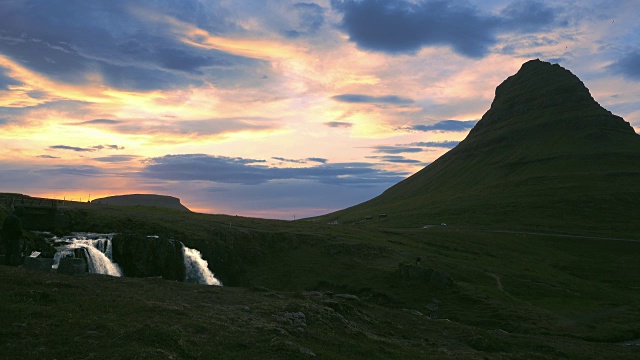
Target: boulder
[(149, 256)]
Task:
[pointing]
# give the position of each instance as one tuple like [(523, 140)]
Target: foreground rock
[(147, 256)]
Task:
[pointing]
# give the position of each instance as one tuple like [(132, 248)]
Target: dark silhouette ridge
[(162, 201), (545, 155)]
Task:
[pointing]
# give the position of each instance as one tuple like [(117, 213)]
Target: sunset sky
[(276, 108)]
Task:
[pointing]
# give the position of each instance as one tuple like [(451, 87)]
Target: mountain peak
[(546, 155), (537, 92)]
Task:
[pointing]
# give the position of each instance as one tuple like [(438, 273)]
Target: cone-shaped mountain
[(545, 156)]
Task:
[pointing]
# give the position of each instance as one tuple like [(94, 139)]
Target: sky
[(276, 108)]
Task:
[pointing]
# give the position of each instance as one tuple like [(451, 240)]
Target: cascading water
[(197, 269), (97, 250)]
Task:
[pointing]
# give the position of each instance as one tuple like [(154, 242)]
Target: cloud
[(309, 18), (108, 147), (6, 80), (439, 144), (116, 158), (301, 161), (445, 125), (206, 127), (526, 16), (48, 157), (318, 160), (80, 170), (338, 124), (290, 160), (628, 65), (359, 98), (396, 149), (72, 148), (98, 121), (88, 149), (223, 169), (396, 159), (33, 114), (121, 43), (404, 27)]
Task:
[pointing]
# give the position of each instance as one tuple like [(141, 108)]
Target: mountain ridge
[(545, 155), (162, 201)]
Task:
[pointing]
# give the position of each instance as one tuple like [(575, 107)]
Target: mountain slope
[(546, 156)]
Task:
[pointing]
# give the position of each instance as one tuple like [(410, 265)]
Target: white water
[(98, 248), (197, 269)]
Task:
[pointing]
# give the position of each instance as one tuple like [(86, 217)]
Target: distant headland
[(163, 201)]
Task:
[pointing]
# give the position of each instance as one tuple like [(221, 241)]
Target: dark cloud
[(48, 157), (397, 149), (403, 26), (338, 124), (37, 94), (445, 125), (290, 160), (301, 161), (88, 149), (395, 159), (116, 158), (318, 160), (72, 148), (252, 171), (440, 144), (6, 80), (628, 66), (359, 98), (71, 41), (108, 147), (309, 18), (526, 16)]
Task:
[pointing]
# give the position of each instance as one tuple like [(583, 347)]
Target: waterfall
[(97, 249), (197, 269)]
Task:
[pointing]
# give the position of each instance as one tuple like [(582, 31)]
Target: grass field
[(308, 289)]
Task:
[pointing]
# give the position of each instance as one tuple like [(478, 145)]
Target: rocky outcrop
[(72, 266), (147, 256)]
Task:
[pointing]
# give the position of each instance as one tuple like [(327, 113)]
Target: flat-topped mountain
[(546, 155), (162, 201)]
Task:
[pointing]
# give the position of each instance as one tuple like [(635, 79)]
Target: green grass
[(514, 295)]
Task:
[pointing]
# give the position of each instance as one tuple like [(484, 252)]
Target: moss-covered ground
[(309, 289)]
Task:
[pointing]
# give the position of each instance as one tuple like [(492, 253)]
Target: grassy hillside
[(513, 295), (546, 156), (539, 259)]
